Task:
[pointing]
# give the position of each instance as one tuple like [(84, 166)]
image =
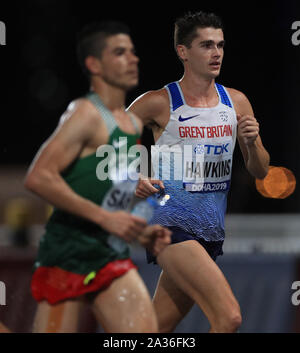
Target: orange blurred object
[(279, 183)]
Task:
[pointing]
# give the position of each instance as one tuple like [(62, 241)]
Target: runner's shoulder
[(155, 99), (237, 96), (81, 108)]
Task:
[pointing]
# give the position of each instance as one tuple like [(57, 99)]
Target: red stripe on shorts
[(55, 284)]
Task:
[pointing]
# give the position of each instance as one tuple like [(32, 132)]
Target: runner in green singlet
[(84, 255)]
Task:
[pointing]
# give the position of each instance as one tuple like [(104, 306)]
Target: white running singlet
[(193, 157)]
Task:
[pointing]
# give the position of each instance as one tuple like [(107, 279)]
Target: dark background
[(40, 75)]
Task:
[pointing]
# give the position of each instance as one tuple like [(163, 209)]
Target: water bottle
[(146, 207)]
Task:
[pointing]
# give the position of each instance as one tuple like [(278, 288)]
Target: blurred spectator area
[(20, 210), (11, 188)]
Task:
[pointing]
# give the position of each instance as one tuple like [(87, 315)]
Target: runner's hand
[(124, 225), (248, 129), (155, 238), (145, 187)]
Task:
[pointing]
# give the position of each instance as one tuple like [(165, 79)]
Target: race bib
[(207, 167)]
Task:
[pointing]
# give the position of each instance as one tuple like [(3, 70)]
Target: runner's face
[(205, 55), (119, 62)]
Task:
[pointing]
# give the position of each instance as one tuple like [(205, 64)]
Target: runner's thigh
[(198, 276), (61, 317), (125, 306), (171, 303)]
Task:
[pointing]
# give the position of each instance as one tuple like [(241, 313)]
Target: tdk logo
[(199, 149), (211, 149)]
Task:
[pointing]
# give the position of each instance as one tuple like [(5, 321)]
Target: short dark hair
[(186, 26), (91, 40)]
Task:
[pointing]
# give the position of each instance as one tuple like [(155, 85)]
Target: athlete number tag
[(207, 167)]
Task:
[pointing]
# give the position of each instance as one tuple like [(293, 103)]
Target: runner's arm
[(55, 155), (255, 155), (153, 109)]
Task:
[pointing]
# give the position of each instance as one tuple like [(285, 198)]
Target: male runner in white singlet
[(199, 119)]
